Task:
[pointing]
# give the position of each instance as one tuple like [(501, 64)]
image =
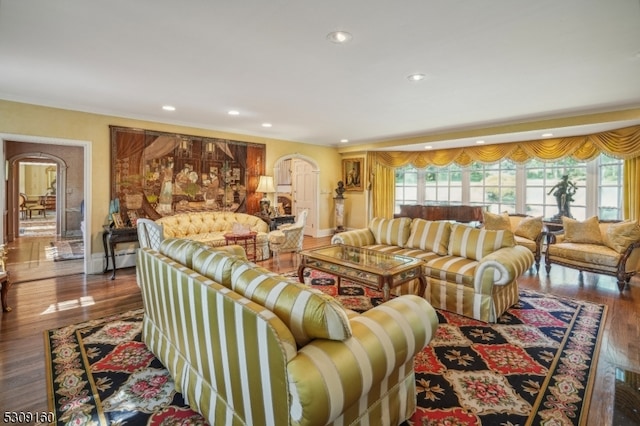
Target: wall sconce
[(265, 185)]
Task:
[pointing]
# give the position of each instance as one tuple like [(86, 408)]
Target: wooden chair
[(27, 206)]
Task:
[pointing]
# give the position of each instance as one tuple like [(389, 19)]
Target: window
[(517, 188), (609, 188), (443, 184), (406, 187), (541, 180), (494, 185)]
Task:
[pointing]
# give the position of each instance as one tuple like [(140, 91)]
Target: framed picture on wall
[(352, 174)]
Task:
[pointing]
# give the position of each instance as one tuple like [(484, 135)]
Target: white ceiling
[(489, 64)]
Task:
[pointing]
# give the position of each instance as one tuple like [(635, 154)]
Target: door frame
[(14, 189), (5, 172), (315, 169)]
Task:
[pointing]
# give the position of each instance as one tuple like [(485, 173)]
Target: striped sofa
[(210, 227), (248, 347), (470, 271)]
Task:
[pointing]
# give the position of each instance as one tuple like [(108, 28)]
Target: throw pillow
[(620, 235), (496, 222), (474, 244), (307, 312), (585, 232), (393, 232), (430, 235), (529, 228)]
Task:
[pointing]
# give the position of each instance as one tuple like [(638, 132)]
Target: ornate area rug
[(533, 367)]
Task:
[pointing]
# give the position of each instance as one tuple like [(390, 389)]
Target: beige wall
[(39, 121)]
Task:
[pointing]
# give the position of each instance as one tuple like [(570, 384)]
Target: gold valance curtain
[(621, 143)]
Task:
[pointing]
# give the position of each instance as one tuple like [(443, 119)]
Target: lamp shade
[(265, 184)]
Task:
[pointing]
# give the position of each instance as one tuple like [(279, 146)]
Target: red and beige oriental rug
[(534, 366)]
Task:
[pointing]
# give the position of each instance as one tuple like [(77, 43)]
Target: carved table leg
[(3, 293)]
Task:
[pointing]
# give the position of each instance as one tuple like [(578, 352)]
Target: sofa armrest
[(356, 238), (502, 267), (327, 375)]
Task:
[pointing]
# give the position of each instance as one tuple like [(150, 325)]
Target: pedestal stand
[(339, 214)]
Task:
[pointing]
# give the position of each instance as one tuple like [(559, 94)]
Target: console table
[(111, 237)]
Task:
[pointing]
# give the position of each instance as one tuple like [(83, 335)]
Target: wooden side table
[(244, 240), (6, 284), (111, 237)]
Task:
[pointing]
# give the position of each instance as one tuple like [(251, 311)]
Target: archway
[(304, 189)]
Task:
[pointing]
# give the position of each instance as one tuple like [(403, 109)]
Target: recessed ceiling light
[(169, 108), (479, 142), (547, 135), (416, 77), (344, 140), (339, 37), (234, 112), (266, 124)]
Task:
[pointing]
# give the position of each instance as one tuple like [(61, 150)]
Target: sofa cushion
[(429, 235), (584, 253), (585, 232), (529, 228), (472, 243), (180, 250), (619, 236), (454, 269), (391, 231), (307, 312), (496, 222)]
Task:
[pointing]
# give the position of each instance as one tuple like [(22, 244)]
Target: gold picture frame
[(352, 175), (117, 220)]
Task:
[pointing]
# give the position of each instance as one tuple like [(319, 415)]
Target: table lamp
[(265, 185)]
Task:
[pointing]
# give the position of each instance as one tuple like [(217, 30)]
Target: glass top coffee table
[(371, 268)]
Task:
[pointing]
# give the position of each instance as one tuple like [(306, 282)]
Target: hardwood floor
[(51, 303)]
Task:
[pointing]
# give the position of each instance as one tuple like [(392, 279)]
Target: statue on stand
[(563, 191), (340, 189), (339, 207)]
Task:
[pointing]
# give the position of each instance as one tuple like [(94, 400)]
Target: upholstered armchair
[(150, 233), (288, 238)]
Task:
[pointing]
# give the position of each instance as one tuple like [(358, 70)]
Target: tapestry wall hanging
[(158, 174)]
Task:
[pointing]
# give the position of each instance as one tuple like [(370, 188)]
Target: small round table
[(243, 240)]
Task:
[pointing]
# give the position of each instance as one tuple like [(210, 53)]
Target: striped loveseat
[(248, 347), (469, 271)]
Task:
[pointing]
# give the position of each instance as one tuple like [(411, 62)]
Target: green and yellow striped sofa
[(470, 271), (246, 346)]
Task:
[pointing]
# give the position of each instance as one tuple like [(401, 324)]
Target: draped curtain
[(621, 143)]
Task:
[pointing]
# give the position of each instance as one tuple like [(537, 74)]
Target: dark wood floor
[(50, 303)]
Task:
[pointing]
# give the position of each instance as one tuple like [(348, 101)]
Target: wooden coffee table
[(371, 268)]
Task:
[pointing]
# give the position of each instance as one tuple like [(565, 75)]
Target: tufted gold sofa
[(246, 346), (470, 271), (209, 228), (610, 248)]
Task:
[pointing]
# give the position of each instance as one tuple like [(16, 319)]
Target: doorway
[(44, 234), (297, 178)]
